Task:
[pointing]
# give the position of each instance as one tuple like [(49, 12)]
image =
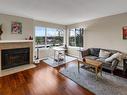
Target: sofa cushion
[(104, 62), (101, 59), (85, 52), (116, 55), (94, 51), (104, 54), (91, 57)]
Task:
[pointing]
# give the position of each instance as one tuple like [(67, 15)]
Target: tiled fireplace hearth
[(15, 53)]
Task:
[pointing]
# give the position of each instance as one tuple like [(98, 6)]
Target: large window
[(46, 37), (76, 37)]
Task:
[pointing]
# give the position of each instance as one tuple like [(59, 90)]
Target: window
[(46, 37), (76, 37), (40, 35)]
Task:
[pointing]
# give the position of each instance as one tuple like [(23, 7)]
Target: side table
[(58, 50)]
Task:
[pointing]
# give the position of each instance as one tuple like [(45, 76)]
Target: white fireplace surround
[(12, 44), (16, 41)]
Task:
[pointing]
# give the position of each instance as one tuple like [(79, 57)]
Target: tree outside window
[(76, 37), (49, 36)]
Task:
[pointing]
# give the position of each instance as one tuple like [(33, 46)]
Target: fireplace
[(14, 57)]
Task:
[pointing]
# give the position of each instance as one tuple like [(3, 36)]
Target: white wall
[(28, 28), (105, 32)]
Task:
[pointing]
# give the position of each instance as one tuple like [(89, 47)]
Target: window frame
[(45, 45), (75, 38)]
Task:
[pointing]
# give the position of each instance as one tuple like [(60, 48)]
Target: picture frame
[(16, 27), (125, 32)]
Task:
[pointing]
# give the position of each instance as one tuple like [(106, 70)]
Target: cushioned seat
[(104, 64), (91, 57), (101, 59)]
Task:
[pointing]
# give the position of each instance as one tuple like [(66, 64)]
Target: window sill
[(74, 47)]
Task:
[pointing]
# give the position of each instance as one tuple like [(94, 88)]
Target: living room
[(40, 38)]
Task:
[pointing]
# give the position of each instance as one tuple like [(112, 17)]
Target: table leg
[(64, 57), (101, 70), (96, 71), (54, 55), (78, 66), (58, 57)]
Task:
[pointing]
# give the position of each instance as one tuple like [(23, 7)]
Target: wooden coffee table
[(92, 65)]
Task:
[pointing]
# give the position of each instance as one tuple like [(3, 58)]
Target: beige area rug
[(106, 85), (16, 69)]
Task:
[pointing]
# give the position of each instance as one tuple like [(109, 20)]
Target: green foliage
[(50, 40), (40, 40), (77, 40)]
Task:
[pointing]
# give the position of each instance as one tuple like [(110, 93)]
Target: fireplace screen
[(14, 57)]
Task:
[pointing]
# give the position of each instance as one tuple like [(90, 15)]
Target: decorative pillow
[(104, 53), (84, 52), (115, 55), (94, 51)]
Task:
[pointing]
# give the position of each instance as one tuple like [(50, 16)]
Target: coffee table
[(57, 50), (92, 65)]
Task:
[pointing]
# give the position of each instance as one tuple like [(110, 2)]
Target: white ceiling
[(63, 11)]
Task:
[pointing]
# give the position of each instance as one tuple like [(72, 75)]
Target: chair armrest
[(114, 63)]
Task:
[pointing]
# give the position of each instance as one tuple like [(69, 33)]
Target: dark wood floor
[(42, 80)]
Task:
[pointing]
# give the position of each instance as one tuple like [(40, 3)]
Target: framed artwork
[(16, 28), (125, 32)]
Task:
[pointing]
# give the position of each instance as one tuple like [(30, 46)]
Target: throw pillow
[(104, 53), (94, 51), (115, 55)]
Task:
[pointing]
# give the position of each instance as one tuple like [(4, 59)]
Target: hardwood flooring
[(42, 80)]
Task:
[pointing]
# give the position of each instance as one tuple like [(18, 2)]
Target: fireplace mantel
[(12, 44), (15, 41)]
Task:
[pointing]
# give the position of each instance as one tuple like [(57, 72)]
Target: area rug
[(50, 61), (106, 85)]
